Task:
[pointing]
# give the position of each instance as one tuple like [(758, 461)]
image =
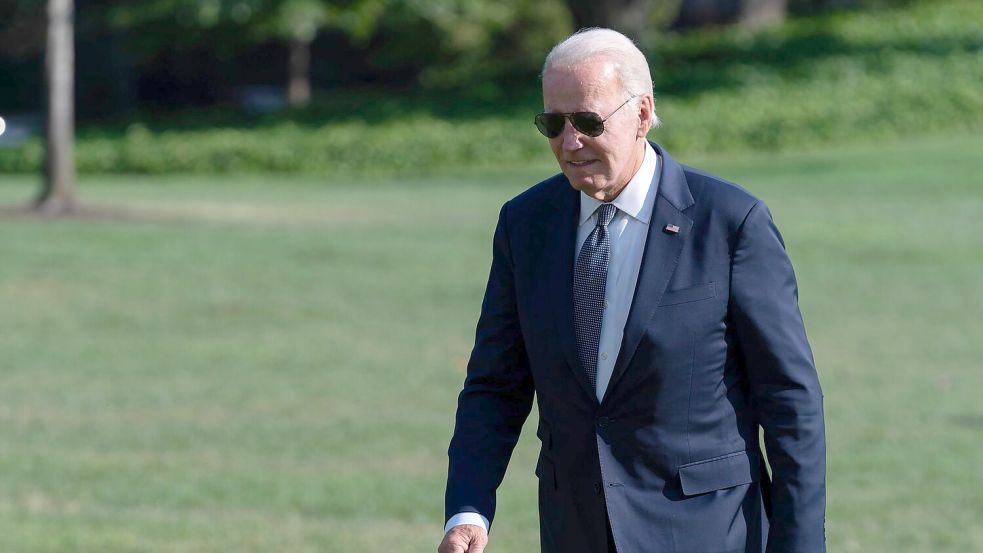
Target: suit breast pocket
[(691, 294)]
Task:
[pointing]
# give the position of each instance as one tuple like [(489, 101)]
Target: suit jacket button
[(603, 422), (597, 487)]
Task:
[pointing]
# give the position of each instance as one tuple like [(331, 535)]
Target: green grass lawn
[(258, 364)]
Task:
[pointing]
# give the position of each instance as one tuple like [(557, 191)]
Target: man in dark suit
[(652, 312)]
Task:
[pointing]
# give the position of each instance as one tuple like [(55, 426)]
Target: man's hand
[(466, 538)]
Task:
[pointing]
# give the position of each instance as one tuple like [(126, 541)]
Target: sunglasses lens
[(587, 122), (550, 124)]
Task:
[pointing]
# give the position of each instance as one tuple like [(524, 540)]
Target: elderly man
[(651, 310)]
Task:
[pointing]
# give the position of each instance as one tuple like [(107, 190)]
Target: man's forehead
[(591, 82), (597, 69)]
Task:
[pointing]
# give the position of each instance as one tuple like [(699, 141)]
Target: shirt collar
[(638, 196)]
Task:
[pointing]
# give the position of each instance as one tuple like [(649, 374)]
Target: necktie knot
[(605, 213)]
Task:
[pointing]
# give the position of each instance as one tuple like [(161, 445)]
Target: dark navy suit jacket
[(713, 349)]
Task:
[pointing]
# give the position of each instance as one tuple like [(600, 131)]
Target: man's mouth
[(581, 163)]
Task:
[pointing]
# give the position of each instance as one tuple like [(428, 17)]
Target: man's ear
[(646, 107)]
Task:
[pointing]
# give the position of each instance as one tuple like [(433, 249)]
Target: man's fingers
[(478, 539), (466, 538), (453, 542)]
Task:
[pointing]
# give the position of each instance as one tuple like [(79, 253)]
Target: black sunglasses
[(586, 122)]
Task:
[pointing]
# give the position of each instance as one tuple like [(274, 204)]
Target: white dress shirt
[(628, 231)]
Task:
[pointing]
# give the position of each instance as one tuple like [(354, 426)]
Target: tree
[(755, 14), (298, 22), (58, 193), (751, 14)]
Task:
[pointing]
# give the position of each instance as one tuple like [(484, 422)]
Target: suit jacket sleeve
[(785, 390), (497, 394)]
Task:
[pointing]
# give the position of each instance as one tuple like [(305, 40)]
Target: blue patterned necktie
[(590, 276)]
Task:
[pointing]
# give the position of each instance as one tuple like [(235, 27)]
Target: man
[(652, 311)]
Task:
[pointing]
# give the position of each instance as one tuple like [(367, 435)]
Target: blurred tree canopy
[(150, 54)]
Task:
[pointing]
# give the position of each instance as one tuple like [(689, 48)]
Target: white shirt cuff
[(466, 518)]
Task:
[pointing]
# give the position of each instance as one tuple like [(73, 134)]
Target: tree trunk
[(750, 14), (58, 193), (756, 14), (627, 16), (299, 86)]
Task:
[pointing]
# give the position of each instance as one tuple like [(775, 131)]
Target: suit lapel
[(662, 250), (561, 271)]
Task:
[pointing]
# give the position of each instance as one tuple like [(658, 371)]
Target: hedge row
[(866, 77)]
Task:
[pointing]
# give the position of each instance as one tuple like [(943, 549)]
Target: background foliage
[(453, 83)]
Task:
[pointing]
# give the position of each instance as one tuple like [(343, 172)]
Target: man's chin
[(590, 185)]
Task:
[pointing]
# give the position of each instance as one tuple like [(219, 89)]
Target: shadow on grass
[(234, 213), (91, 212)]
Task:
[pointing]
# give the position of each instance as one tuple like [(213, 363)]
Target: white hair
[(629, 62)]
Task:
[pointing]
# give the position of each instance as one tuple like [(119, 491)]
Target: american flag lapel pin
[(672, 229)]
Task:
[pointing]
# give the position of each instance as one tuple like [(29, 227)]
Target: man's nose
[(572, 138)]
